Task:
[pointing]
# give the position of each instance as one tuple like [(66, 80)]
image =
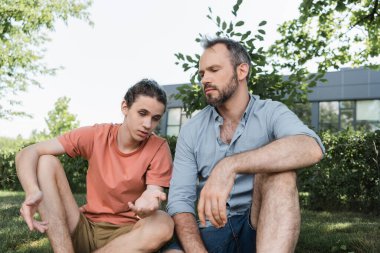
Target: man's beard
[(223, 95)]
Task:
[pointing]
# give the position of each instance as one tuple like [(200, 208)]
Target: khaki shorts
[(89, 236)]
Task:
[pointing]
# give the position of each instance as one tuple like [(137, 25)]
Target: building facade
[(349, 98)]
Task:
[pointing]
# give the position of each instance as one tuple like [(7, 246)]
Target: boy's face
[(143, 116)]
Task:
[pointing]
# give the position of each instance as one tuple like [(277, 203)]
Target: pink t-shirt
[(115, 178)]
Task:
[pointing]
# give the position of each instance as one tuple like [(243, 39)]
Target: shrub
[(8, 177), (75, 170), (348, 177), (172, 141)]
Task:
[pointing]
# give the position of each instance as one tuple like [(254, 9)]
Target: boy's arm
[(26, 166)]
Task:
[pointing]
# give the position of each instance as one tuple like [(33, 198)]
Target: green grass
[(320, 231), (15, 236), (339, 232)]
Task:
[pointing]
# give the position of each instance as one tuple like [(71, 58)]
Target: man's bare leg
[(148, 235), (276, 212), (58, 205)]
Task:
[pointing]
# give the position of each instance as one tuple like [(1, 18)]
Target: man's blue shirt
[(199, 148)]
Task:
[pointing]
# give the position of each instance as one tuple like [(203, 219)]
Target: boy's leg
[(58, 206), (148, 235), (276, 212)]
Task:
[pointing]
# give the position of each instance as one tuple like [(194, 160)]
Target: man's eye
[(142, 113), (156, 118)]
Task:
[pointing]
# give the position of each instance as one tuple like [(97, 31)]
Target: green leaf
[(188, 58), (259, 37), (236, 7), (230, 28), (224, 25), (261, 31), (245, 35), (262, 23), (240, 23)]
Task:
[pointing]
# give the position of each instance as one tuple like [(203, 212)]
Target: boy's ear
[(124, 107)]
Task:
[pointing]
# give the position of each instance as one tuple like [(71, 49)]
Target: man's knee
[(285, 182)]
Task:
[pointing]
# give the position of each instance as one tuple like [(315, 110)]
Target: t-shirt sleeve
[(78, 142), (160, 168), (284, 123)]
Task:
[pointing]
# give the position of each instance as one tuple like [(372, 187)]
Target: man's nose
[(205, 79)]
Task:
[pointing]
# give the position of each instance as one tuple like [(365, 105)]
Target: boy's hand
[(148, 202), (28, 210)]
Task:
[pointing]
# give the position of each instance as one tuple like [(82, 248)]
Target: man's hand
[(213, 197), (148, 202), (28, 210)]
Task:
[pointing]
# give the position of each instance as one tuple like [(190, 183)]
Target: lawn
[(320, 231)]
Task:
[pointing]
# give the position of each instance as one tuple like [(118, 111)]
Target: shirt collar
[(216, 116)]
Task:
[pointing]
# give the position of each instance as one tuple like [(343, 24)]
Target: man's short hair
[(238, 54)]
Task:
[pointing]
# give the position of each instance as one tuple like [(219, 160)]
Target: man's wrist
[(230, 166)]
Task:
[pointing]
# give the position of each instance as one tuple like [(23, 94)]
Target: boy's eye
[(157, 118)]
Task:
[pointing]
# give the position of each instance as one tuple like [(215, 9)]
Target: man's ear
[(242, 71), (124, 107)]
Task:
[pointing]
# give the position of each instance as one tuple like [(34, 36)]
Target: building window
[(176, 118), (329, 115), (368, 114), (337, 115), (346, 114)]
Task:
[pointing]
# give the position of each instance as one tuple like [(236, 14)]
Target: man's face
[(143, 116), (217, 74)]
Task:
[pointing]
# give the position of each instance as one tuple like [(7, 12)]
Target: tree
[(23, 32), (328, 33), (265, 79), (60, 120)]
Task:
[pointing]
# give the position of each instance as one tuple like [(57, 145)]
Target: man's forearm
[(188, 233), (285, 154)]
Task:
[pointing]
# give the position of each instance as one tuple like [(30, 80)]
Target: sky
[(130, 40)]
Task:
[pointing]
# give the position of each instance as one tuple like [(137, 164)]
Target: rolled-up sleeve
[(284, 122), (182, 191)]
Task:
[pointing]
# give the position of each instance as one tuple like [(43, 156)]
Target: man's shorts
[(89, 236), (237, 236)]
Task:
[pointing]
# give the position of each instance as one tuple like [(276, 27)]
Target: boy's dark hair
[(238, 54), (145, 87)]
